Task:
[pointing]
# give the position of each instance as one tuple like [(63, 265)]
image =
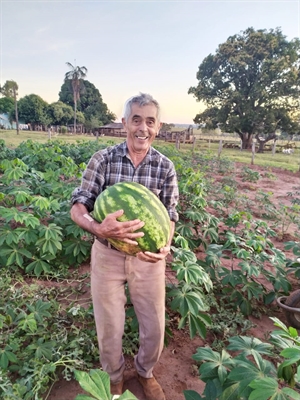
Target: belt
[(106, 243)]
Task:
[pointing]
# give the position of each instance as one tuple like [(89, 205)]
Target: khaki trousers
[(110, 270)]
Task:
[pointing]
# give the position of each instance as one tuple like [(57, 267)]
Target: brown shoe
[(116, 388), (152, 388)]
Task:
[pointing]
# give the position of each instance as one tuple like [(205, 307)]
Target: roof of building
[(113, 125)]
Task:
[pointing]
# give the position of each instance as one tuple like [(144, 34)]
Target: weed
[(249, 175)]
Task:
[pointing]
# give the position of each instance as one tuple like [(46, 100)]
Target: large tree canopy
[(90, 103), (33, 110), (10, 89), (60, 113), (251, 85), (7, 105)]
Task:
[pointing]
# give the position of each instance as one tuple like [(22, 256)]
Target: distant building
[(113, 129), (5, 123)]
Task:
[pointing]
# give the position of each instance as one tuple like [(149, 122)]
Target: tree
[(75, 75), (166, 127), (33, 110), (251, 86), (60, 113), (10, 89), (90, 103), (7, 105)]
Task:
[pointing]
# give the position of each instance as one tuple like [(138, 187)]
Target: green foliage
[(60, 113), (90, 102), (40, 338), (5, 152), (250, 374), (7, 105), (249, 241), (36, 231), (285, 216), (293, 264), (215, 291), (97, 383), (248, 174), (33, 110), (250, 85)]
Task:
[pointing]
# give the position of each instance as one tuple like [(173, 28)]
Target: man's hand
[(111, 228), (147, 256)]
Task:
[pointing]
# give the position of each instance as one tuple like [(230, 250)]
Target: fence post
[(220, 148), (194, 143), (253, 152), (274, 148)]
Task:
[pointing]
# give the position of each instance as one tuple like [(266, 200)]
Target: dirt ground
[(176, 371)]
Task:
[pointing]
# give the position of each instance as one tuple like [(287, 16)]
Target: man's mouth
[(142, 137)]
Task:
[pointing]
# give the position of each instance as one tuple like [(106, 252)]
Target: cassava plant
[(258, 371), (97, 383), (247, 244)]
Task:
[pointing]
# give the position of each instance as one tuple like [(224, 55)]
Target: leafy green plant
[(249, 175), (224, 322), (97, 383), (196, 225), (188, 296), (285, 216), (269, 175), (293, 264), (39, 339), (265, 206), (250, 374), (295, 195), (247, 244), (36, 231)]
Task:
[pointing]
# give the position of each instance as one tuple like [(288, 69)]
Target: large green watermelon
[(138, 202)]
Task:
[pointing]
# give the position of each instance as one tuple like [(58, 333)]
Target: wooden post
[(274, 148), (194, 144), (220, 148), (208, 144), (253, 152)]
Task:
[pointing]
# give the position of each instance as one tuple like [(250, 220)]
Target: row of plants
[(38, 240)]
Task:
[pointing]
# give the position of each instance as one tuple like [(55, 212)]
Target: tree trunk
[(263, 140), (75, 111), (16, 113), (246, 140)]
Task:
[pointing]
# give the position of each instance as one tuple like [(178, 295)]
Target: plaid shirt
[(113, 165)]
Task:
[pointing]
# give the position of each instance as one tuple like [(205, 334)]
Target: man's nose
[(143, 126)]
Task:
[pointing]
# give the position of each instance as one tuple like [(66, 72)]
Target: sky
[(128, 46)]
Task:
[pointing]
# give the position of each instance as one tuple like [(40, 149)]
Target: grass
[(289, 162)]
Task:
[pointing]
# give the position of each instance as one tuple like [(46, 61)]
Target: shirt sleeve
[(92, 182), (170, 194)]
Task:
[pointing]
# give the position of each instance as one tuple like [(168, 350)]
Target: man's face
[(142, 126)]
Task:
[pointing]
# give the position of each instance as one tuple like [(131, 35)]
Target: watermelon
[(138, 202)]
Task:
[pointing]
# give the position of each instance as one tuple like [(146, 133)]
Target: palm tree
[(10, 89), (76, 74)]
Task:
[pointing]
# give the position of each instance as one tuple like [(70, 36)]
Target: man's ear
[(124, 122), (160, 125)]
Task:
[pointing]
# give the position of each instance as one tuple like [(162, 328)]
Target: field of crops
[(235, 250)]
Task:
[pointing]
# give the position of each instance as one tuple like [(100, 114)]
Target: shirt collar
[(122, 151)]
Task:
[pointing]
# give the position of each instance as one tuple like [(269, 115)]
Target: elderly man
[(133, 160)]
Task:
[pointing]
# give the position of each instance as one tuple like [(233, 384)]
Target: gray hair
[(143, 99)]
